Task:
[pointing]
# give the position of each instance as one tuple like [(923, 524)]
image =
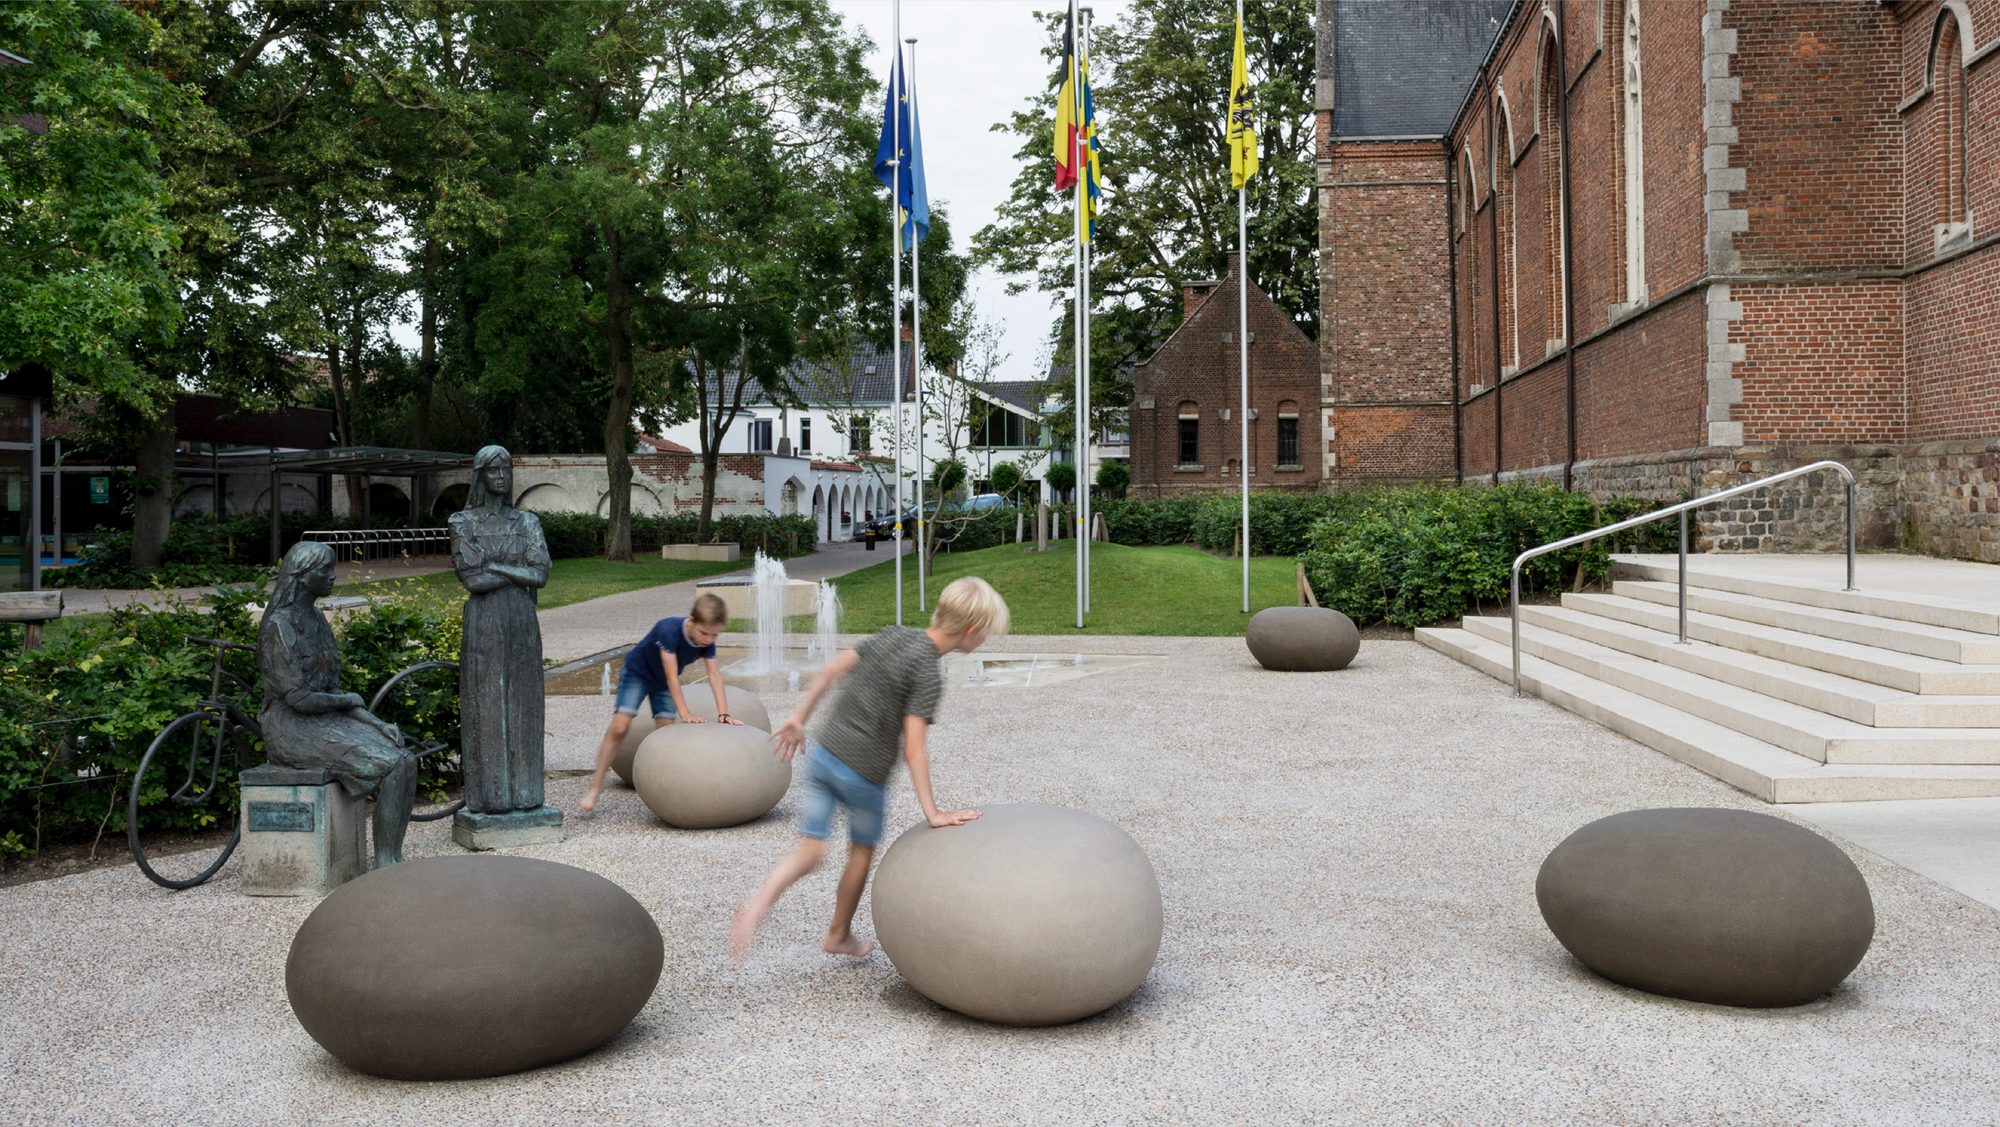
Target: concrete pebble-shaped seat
[(1731, 907), (451, 968), (1029, 915), (1302, 639), (743, 705), (706, 776)]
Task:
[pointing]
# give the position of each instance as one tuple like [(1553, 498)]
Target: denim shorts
[(830, 782), (631, 691)]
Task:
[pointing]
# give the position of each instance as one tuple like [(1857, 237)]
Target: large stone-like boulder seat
[(1028, 915), (451, 968), (1302, 639), (1731, 907), (706, 776), (743, 705)]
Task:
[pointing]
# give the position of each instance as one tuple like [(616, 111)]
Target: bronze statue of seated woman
[(309, 723)]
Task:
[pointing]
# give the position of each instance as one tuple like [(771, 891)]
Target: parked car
[(885, 525)]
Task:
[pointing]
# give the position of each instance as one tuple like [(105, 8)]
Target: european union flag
[(899, 123)]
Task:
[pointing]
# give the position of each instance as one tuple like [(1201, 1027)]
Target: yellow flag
[(1242, 131)]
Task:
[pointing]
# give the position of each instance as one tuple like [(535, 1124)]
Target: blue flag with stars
[(899, 122)]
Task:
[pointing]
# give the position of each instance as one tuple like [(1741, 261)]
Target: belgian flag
[(1066, 123)]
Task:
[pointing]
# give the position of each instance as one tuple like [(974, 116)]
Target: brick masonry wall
[(1817, 132), (1385, 356), (1196, 365), (1824, 363), (1953, 351)]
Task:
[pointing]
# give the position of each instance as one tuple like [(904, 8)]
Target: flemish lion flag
[(1065, 138), (1242, 129)]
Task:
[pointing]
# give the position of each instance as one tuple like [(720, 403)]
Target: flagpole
[(1083, 183), (1243, 351), (917, 339), (896, 85), (1076, 321)]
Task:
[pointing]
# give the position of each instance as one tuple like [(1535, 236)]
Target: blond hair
[(709, 611), (968, 603)]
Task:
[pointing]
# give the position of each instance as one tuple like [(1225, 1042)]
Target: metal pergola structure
[(347, 461)]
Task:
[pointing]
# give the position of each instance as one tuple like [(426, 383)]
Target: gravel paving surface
[(1348, 862)]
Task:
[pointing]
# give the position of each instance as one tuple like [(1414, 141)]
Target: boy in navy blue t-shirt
[(653, 672)]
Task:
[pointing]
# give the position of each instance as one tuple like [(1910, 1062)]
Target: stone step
[(1863, 702), (1943, 643), (1911, 673), (1767, 771), (1907, 606), (1801, 731)]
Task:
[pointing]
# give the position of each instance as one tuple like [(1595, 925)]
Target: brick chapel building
[(1666, 246), (1186, 433)]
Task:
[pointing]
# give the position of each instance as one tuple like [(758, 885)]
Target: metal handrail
[(1682, 509)]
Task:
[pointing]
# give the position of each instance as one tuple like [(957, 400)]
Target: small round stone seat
[(1028, 915), (451, 968), (743, 705), (1302, 639), (706, 776), (1731, 907)]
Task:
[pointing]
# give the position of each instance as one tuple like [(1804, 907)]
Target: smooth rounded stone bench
[(1724, 906), (450, 968), (1302, 639), (743, 704), (706, 776), (1029, 915)]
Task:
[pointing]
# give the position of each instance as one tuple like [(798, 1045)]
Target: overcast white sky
[(977, 60)]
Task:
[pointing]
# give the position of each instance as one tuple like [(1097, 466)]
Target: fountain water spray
[(826, 640), (768, 577)]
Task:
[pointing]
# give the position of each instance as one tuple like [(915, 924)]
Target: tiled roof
[(1402, 67), (865, 382), (662, 445)]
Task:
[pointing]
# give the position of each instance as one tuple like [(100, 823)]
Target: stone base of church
[(540, 826)]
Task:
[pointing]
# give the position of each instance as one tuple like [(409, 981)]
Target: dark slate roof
[(866, 382), (1027, 395), (1402, 67)]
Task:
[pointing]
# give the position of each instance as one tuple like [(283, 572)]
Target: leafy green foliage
[(81, 280), (85, 706), (947, 474), (1113, 477), (1006, 479), (1061, 477), (1418, 556), (574, 535)]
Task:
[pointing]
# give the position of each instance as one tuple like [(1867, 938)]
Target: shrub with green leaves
[(581, 535), (83, 708), (1414, 557)]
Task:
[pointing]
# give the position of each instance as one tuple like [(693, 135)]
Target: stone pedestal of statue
[(303, 835), (507, 829)]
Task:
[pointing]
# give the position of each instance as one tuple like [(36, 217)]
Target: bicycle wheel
[(181, 814), (444, 749)]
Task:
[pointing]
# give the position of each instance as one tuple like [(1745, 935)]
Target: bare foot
[(859, 948), (743, 928), (589, 802)]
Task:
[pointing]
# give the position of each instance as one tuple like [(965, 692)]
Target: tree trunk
[(343, 427), (427, 364), (617, 416), (710, 437), (153, 490)]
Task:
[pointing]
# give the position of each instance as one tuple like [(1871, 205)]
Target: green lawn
[(1177, 590), (570, 581)]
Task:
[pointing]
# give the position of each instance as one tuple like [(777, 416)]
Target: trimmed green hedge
[(579, 535), (1419, 556)]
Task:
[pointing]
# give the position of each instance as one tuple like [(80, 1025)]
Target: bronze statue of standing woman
[(502, 560)]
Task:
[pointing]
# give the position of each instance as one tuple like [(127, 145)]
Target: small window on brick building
[(1190, 435), (1288, 441)]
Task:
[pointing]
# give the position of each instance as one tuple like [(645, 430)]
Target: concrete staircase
[(1793, 690)]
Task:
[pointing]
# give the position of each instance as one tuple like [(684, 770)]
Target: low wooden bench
[(33, 608)]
